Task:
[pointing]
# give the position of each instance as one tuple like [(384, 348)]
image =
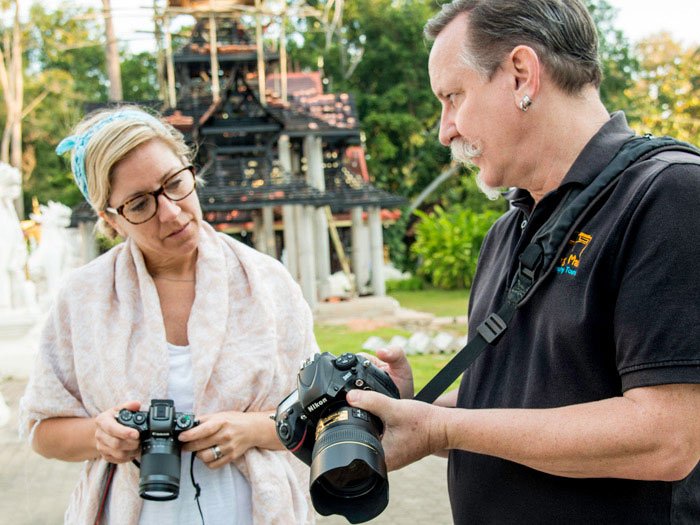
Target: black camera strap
[(197, 488), (540, 257), (107, 482), (104, 491)]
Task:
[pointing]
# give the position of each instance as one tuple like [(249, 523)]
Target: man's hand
[(412, 429), (394, 362)]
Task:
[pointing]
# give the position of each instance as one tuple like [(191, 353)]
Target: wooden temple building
[(282, 161)]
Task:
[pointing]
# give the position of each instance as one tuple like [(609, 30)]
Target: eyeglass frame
[(119, 210)]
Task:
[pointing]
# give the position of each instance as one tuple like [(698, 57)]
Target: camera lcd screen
[(288, 402)]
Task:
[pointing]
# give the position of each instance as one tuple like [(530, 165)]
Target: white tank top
[(225, 497)]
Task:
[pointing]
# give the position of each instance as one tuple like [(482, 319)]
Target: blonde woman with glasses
[(177, 311)]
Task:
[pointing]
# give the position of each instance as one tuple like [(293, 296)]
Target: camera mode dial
[(124, 415), (346, 361), (184, 421), (284, 431)]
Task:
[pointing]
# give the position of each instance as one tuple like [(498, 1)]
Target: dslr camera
[(340, 443), (158, 429)]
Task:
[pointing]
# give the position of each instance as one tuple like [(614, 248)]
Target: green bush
[(104, 243), (448, 243), (405, 285)]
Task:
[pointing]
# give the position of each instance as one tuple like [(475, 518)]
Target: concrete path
[(34, 490)]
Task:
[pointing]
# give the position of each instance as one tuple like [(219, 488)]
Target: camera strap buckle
[(492, 328)]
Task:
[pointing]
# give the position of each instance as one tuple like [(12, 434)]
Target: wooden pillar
[(112, 55), (307, 268), (160, 53), (283, 54), (88, 245), (376, 251), (268, 225), (291, 253), (258, 232), (261, 53), (291, 249), (360, 250), (214, 54), (313, 150), (169, 65)]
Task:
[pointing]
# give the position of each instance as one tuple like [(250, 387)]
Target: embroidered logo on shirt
[(568, 265)]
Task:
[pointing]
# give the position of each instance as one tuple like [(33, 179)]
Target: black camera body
[(340, 443), (159, 428)]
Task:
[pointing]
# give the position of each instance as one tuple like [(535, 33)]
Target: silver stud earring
[(525, 103)]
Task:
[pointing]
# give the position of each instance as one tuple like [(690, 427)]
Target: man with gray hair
[(586, 409)]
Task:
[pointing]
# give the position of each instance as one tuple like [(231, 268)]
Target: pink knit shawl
[(104, 343)]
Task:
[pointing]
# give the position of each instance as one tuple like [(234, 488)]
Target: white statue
[(4, 411), (53, 256), (16, 291)]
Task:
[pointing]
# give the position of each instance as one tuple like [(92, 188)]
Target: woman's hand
[(223, 437), (115, 442)]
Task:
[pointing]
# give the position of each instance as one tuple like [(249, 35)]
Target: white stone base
[(16, 323), (19, 340)]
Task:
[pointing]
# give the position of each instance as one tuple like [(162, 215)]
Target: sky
[(636, 18), (640, 18)]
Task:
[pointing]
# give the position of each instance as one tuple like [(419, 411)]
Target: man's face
[(475, 121)]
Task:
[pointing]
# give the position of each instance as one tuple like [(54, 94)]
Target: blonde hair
[(113, 142)]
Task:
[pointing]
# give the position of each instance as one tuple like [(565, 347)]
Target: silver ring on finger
[(216, 450)]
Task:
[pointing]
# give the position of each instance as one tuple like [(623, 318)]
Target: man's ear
[(525, 66), (109, 219)]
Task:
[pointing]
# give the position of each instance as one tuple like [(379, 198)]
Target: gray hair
[(561, 32)]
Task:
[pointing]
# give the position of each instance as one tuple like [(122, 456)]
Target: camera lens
[(354, 480), (348, 471), (160, 469)]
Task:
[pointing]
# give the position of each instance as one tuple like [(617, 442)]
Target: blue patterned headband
[(78, 143)]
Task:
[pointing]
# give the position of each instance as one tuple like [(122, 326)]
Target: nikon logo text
[(314, 406)]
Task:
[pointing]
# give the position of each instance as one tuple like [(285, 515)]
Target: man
[(588, 408)]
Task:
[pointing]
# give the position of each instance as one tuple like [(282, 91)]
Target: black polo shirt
[(621, 311)]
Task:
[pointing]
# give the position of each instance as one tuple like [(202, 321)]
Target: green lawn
[(339, 339), (442, 303)]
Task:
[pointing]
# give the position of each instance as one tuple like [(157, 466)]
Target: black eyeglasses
[(144, 207)]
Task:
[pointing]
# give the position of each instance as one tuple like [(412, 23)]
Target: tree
[(12, 83), (619, 62), (64, 52), (112, 54), (69, 39), (667, 89), (139, 77)]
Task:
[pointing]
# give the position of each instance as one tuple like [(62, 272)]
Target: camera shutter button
[(139, 418), (346, 361)]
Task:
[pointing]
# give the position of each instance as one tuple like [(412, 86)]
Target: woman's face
[(173, 233)]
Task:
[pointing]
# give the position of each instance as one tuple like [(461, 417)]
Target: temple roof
[(206, 5)]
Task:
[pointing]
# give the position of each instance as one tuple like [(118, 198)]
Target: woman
[(177, 311)]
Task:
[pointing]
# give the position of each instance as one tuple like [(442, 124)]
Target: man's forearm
[(624, 437)]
